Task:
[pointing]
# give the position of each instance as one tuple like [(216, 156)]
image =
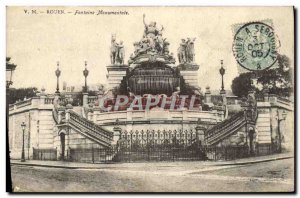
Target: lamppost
[(85, 74), (9, 73), (57, 73), (10, 68), (23, 125), (283, 117), (222, 72)]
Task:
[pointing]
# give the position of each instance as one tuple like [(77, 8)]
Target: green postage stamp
[(254, 45)]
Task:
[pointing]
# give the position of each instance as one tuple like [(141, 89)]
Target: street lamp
[(23, 125), (222, 72), (85, 74), (283, 117), (10, 68), (57, 73)]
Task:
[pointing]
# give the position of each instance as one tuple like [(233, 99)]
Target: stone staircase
[(223, 130), (85, 127)]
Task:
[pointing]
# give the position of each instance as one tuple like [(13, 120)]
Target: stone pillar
[(85, 99), (207, 97), (117, 132), (56, 99), (223, 94), (68, 108), (189, 72), (266, 95), (99, 96), (200, 135), (115, 75)]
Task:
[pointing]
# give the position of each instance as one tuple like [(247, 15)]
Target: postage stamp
[(254, 46)]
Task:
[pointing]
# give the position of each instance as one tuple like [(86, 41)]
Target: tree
[(241, 84), (21, 93), (278, 80)]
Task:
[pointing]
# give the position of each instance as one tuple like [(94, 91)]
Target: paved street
[(158, 177)]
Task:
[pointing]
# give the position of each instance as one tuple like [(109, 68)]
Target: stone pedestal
[(85, 99), (223, 94), (189, 72), (207, 97), (115, 75)]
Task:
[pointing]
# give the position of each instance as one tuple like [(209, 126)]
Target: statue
[(113, 49), (186, 51), (159, 42), (150, 30), (190, 51), (121, 53), (181, 51), (152, 43), (117, 52)]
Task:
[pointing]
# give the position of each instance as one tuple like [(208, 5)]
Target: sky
[(35, 42)]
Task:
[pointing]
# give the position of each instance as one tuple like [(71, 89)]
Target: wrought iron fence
[(44, 154), (158, 153), (267, 149)]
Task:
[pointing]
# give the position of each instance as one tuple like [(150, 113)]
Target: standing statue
[(181, 51), (153, 34), (117, 52), (186, 51), (121, 53), (190, 51), (113, 49), (150, 30)]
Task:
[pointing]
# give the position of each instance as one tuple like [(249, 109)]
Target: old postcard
[(150, 99)]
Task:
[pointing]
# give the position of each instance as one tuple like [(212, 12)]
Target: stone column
[(85, 99), (223, 94), (207, 97)]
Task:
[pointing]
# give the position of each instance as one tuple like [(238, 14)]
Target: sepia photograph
[(162, 99)]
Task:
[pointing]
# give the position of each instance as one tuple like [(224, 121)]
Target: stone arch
[(251, 131), (62, 136)]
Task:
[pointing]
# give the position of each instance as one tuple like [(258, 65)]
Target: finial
[(57, 64), (85, 63), (221, 63)]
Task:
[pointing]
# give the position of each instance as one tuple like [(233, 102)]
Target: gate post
[(200, 135), (117, 132)]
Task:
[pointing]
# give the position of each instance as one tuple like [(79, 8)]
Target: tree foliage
[(278, 80), (21, 93)]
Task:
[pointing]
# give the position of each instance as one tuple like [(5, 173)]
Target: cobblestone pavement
[(158, 177)]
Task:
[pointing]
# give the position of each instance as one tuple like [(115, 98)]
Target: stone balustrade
[(37, 102), (92, 99)]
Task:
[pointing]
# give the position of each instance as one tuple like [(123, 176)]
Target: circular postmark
[(254, 46)]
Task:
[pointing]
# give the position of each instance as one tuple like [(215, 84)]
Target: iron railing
[(44, 154), (162, 153)]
